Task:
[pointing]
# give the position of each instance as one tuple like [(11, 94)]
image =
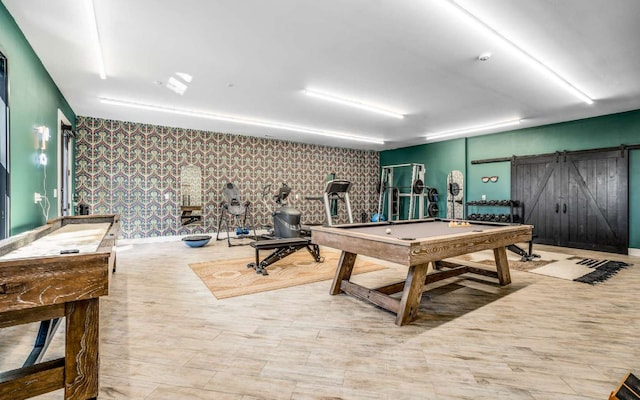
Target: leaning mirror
[(190, 195)]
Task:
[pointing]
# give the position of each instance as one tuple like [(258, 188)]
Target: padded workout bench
[(284, 248)]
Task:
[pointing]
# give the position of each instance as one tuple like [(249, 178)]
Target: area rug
[(231, 278), (515, 263), (557, 265), (584, 270)]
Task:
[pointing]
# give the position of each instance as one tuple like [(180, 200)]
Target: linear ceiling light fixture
[(546, 70), (462, 131), (352, 103), (96, 38), (240, 120)]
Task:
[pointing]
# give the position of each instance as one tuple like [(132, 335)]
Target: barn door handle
[(557, 207), (564, 208)]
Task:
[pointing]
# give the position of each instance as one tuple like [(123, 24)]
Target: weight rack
[(392, 192)]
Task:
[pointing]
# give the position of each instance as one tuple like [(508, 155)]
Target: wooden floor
[(164, 336)]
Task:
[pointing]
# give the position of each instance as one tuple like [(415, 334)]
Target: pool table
[(416, 244), (58, 270)]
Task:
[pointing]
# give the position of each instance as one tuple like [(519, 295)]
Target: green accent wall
[(439, 159), (591, 133), (34, 100)]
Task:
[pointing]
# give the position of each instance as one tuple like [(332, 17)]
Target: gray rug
[(584, 270), (557, 265)]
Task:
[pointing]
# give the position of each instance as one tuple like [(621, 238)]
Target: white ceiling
[(254, 58)]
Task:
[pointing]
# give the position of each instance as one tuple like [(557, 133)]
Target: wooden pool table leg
[(502, 265), (412, 294), (345, 268), (81, 350)]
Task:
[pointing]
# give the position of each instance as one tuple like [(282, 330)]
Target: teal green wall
[(34, 100), (439, 158), (591, 133)]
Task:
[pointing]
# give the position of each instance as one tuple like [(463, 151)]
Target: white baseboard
[(164, 239), (156, 239), (634, 252)]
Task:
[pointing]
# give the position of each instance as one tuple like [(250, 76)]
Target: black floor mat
[(602, 272)]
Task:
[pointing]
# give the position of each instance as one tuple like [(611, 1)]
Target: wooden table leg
[(113, 261), (345, 268), (412, 294), (502, 265), (81, 350)]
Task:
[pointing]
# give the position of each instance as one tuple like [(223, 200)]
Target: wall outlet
[(37, 197), (484, 197), (55, 193)]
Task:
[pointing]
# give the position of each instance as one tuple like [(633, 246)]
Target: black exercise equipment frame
[(227, 214), (525, 255), (283, 248), (225, 218), (45, 335), (336, 189)]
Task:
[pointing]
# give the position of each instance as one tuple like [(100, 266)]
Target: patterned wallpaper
[(135, 170)]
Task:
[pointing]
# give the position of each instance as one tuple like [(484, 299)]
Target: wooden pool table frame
[(417, 254), (44, 288)]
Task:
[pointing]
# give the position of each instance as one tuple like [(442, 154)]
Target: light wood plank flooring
[(164, 336)]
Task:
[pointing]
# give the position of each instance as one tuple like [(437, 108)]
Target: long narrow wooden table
[(416, 244), (38, 283)]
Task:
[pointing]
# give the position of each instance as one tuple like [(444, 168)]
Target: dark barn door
[(598, 201), (577, 199), (535, 182)]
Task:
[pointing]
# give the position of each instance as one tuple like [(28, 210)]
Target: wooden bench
[(46, 287)]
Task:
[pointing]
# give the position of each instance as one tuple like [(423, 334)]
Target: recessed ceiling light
[(352, 103), (176, 86), (484, 56), (184, 76), (241, 120)]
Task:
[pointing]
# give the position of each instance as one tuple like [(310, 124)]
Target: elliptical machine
[(286, 237)]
